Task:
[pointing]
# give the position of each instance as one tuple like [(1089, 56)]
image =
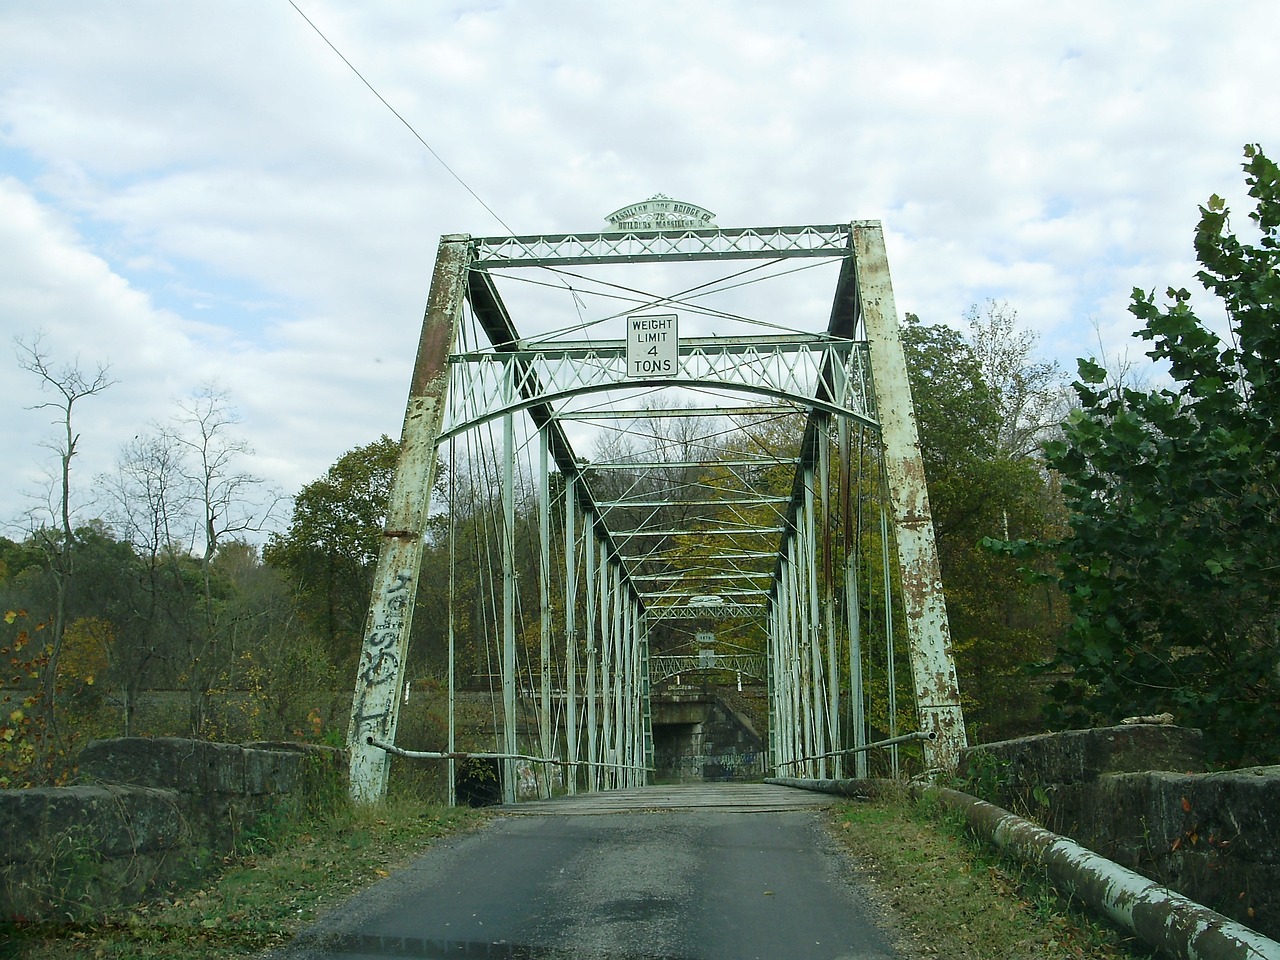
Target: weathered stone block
[(159, 803), (1018, 766), (109, 821), (282, 769), (1134, 794), (1213, 836), (168, 762), (75, 849)]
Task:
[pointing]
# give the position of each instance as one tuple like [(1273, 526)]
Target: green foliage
[(59, 875), (1170, 567), (982, 484), (992, 908), (331, 545), (984, 774), (22, 725)]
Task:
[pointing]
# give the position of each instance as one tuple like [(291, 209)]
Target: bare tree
[(151, 511), (231, 504), (57, 538), (1027, 391), (1123, 371)]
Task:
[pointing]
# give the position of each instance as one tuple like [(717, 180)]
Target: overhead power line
[(408, 125)]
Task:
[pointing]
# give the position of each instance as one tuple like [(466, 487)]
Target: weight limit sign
[(653, 345)]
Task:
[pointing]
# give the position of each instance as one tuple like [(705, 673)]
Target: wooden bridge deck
[(725, 797)]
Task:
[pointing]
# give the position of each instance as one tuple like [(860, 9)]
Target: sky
[(203, 193)]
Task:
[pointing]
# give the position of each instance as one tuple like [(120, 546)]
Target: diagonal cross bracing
[(804, 370)]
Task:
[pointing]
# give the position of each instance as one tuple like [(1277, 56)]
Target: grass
[(950, 896), (258, 900), (945, 894)]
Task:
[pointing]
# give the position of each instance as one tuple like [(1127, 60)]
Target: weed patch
[(259, 899), (952, 897)]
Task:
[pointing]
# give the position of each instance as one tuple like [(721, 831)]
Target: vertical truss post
[(619, 669), (788, 678), (593, 732), (375, 705), (630, 697), (851, 512), (451, 765), (508, 606), (778, 673), (813, 636), (606, 674), (792, 730), (571, 636), (928, 633), (544, 605), (620, 713), (771, 686), (637, 702), (828, 595), (646, 695), (799, 640)]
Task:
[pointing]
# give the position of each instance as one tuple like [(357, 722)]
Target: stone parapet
[(1137, 794), (153, 813)]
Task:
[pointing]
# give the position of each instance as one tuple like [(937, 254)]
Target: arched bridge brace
[(743, 550), (662, 669)]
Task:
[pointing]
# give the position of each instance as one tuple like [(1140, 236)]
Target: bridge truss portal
[(662, 452)]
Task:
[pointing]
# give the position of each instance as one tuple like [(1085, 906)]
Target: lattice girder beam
[(637, 246), (788, 368), (665, 667)]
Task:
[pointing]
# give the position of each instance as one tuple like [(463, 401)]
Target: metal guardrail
[(892, 741), (392, 749)]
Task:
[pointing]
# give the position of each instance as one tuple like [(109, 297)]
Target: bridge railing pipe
[(1180, 927), (890, 742), (454, 755)]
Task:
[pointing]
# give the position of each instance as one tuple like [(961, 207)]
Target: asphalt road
[(742, 872)]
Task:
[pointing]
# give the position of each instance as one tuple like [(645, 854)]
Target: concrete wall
[(1134, 794), (151, 813), (705, 740)]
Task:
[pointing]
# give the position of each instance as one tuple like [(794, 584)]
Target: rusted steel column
[(928, 633), (375, 707), (828, 593)]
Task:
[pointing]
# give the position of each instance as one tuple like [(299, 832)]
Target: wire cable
[(407, 124)]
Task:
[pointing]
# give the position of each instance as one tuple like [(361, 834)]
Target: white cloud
[(205, 191)]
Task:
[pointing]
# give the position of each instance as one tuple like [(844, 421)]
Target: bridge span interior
[(637, 461)]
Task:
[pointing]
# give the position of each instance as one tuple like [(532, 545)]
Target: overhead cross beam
[(635, 246)]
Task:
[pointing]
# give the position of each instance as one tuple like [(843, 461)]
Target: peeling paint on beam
[(1181, 928), (1163, 918), (933, 668), (375, 704)]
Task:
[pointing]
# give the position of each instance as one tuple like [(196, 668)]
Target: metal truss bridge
[(690, 434)]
